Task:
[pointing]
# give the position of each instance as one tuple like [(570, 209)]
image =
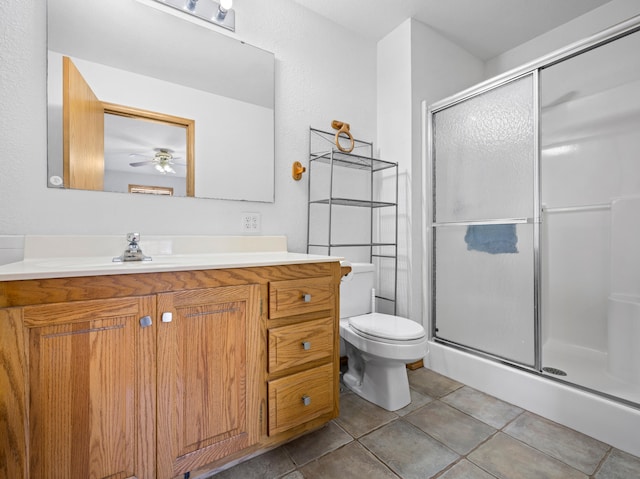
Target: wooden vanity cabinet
[(155, 375)]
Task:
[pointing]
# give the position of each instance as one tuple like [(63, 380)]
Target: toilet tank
[(355, 290)]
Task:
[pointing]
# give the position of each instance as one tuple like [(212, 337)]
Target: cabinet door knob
[(167, 317), (145, 321), (306, 345), (306, 400), (306, 297)]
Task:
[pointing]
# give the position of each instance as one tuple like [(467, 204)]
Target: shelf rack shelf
[(383, 212), (354, 202)]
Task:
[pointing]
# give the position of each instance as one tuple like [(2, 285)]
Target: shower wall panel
[(590, 119)]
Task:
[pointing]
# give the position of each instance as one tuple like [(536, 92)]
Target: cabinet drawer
[(298, 296), (301, 397), (300, 343)]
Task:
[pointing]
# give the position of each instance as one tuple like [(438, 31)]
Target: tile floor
[(449, 431)]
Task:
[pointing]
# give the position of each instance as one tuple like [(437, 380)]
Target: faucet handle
[(133, 237), (133, 251)]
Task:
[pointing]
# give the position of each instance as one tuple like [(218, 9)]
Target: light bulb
[(226, 4)]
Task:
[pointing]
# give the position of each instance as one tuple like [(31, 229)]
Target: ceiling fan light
[(160, 168)]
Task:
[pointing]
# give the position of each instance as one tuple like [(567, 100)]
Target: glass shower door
[(484, 221)]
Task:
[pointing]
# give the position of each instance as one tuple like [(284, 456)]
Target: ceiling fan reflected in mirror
[(163, 160)]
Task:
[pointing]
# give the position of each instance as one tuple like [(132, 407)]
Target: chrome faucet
[(133, 251)]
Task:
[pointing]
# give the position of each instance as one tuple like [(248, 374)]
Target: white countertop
[(40, 268), (52, 257)]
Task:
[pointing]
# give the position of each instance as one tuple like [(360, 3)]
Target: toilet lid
[(387, 326)]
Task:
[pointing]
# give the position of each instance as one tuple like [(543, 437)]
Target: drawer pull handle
[(306, 298), (306, 345), (306, 400)]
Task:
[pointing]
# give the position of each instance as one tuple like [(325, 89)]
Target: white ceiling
[(485, 28)]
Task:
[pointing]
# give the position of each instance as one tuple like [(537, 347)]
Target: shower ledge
[(69, 256)]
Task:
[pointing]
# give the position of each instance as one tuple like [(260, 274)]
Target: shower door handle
[(500, 221)]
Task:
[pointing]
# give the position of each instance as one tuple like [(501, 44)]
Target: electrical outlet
[(250, 222)]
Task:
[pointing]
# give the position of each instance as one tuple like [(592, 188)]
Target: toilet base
[(380, 381)]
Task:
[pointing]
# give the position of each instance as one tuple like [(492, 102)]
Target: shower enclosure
[(534, 218)]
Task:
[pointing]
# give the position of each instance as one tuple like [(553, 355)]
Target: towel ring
[(343, 129)]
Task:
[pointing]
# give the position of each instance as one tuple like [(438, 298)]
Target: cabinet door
[(91, 410), (209, 369)]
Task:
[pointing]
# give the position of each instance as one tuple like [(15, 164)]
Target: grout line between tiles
[(373, 453), (602, 461), (606, 454)]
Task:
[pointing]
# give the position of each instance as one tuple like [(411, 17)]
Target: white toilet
[(378, 346)]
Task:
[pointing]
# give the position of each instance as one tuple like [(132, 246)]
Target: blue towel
[(492, 239)]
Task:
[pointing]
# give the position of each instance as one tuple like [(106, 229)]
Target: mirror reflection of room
[(109, 147)]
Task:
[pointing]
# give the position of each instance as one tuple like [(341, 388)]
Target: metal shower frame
[(533, 68)]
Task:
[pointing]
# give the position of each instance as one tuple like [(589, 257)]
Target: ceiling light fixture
[(223, 8), (220, 14), (164, 168)]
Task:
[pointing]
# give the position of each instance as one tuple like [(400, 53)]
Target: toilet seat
[(387, 328)]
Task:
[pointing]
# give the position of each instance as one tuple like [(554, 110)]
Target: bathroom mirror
[(150, 65)]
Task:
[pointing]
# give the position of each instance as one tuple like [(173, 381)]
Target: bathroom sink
[(74, 263), (101, 263), (158, 262)]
